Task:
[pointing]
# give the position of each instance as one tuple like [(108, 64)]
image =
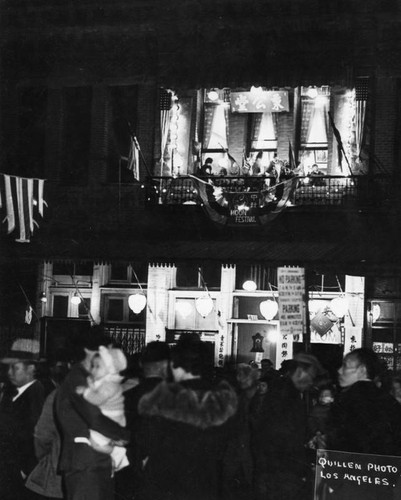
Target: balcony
[(329, 190)]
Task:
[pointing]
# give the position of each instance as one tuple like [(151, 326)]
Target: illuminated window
[(216, 114), (315, 104)]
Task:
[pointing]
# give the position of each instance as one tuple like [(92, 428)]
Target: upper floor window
[(131, 273), (263, 137), (77, 135), (32, 112), (122, 104), (215, 131), (315, 102)]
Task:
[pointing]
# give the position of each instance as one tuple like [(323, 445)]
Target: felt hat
[(302, 358), (22, 349), (155, 351)]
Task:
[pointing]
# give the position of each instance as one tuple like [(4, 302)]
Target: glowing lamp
[(213, 95), (312, 92), (43, 297), (268, 309), (75, 299), (204, 305), (339, 306), (249, 286), (137, 302)]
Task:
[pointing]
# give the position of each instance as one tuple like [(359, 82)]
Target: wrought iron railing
[(320, 190), (131, 338)]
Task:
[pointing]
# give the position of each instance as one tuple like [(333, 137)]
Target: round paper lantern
[(204, 305), (249, 286), (339, 306), (137, 302), (268, 309), (75, 299)]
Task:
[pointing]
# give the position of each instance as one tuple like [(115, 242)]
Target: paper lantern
[(75, 299), (204, 305), (339, 306), (249, 286), (268, 309), (137, 302)]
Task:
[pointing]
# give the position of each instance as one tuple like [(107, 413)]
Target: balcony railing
[(326, 190)]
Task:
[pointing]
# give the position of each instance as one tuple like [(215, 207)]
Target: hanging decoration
[(22, 199), (339, 306), (76, 299), (257, 343), (268, 309), (204, 305), (247, 208), (137, 302)]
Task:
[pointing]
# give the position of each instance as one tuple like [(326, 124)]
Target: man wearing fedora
[(282, 465), (20, 409)]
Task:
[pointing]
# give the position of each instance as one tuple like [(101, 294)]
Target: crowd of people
[(277, 170), (165, 425)]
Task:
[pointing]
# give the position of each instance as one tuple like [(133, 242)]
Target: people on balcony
[(317, 176), (206, 168)]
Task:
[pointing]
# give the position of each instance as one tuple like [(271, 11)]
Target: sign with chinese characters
[(291, 290), (353, 339), (265, 101), (283, 349), (357, 475)]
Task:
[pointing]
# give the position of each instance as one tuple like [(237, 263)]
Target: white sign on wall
[(291, 291)]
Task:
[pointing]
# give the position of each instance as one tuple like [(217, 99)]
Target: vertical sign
[(291, 291), (284, 349)]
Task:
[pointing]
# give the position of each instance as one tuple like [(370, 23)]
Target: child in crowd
[(319, 415), (105, 390)]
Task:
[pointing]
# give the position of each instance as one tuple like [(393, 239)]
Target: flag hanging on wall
[(133, 158), (22, 198)]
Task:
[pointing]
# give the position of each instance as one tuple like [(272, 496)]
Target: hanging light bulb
[(43, 297), (312, 92), (249, 286), (268, 309), (75, 299), (204, 305), (137, 302), (339, 306)]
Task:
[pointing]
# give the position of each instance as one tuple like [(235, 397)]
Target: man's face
[(350, 371), (20, 374), (303, 378)]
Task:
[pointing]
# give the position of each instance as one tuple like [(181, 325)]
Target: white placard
[(291, 291), (353, 339)]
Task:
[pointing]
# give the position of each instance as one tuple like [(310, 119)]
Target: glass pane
[(382, 334), (116, 310), (119, 272), (84, 307), (60, 306), (185, 314), (386, 310)]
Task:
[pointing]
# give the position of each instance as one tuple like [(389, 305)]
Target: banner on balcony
[(21, 199), (265, 101), (247, 205)]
